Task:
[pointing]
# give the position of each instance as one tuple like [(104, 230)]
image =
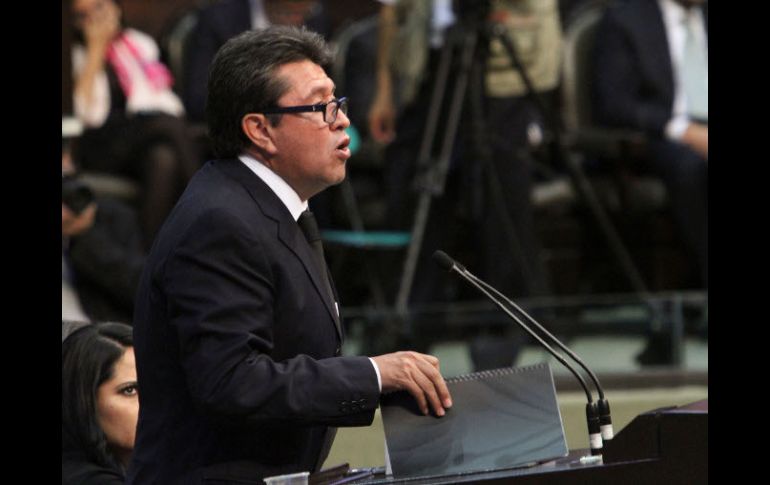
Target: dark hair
[(88, 357), (242, 79)]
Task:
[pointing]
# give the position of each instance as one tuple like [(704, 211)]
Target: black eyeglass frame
[(342, 104)]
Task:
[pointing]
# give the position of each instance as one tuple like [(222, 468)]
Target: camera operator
[(102, 252), (411, 36)]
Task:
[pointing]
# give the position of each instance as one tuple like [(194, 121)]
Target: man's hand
[(73, 224), (419, 375), (696, 136)]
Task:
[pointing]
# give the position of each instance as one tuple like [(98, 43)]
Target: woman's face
[(93, 11), (117, 404)]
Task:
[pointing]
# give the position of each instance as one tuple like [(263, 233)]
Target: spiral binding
[(476, 376), (486, 374)]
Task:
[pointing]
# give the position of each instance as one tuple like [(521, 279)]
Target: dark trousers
[(685, 175), (154, 150), (494, 224)]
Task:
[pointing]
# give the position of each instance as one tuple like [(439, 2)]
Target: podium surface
[(666, 445)]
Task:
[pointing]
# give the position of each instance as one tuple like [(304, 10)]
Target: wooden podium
[(662, 446)]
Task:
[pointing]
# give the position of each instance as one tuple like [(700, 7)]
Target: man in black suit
[(651, 74), (237, 330)]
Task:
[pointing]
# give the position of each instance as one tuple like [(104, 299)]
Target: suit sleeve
[(221, 305), (619, 94)]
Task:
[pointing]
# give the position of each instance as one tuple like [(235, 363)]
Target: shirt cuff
[(377, 371), (676, 127)]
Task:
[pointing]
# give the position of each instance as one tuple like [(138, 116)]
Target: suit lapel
[(289, 232)]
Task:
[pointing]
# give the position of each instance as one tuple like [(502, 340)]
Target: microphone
[(603, 405), (592, 409)]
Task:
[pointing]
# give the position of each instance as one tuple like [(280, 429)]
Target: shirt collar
[(283, 190)]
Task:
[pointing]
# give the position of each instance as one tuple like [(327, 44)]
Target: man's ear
[(258, 129)]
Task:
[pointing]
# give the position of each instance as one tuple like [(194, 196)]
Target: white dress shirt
[(675, 16), (259, 18)]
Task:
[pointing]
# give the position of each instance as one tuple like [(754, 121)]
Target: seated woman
[(134, 122), (100, 404)]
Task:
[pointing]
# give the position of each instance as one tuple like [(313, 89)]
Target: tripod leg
[(580, 181), (434, 183), (437, 96), (399, 324), (483, 142)]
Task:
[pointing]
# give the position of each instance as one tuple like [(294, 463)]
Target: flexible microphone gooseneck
[(605, 420), (592, 410)]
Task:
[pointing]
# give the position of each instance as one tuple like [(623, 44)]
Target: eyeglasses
[(329, 109)]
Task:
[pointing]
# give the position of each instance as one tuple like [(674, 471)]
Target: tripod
[(466, 48), (470, 38)]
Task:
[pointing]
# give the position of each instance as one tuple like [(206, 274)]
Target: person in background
[(651, 75), (490, 201), (400, 110), (134, 125), (100, 404)]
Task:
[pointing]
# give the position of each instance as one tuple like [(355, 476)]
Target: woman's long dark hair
[(88, 357)]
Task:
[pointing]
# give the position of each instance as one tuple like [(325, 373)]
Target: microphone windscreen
[(443, 260)]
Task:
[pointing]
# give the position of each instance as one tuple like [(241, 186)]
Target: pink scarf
[(154, 71)]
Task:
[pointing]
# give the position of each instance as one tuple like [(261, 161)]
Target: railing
[(575, 315)]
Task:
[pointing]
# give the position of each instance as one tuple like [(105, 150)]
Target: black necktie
[(309, 227)]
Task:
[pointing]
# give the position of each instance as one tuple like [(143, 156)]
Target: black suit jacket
[(236, 344), (633, 74)]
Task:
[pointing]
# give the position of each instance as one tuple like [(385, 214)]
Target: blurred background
[(551, 185)]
